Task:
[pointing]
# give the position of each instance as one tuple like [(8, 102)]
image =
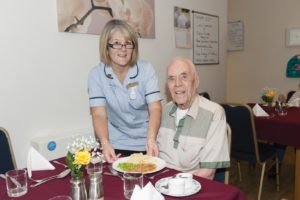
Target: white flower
[(83, 143)]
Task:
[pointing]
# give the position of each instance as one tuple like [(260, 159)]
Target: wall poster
[(235, 36), (205, 38), (293, 67), (89, 16), (182, 28)]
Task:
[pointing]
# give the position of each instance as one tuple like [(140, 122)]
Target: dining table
[(113, 186), (282, 129)]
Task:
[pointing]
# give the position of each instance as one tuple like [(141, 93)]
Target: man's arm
[(205, 173)]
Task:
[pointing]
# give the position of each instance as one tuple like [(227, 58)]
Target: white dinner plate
[(160, 164), (162, 184)]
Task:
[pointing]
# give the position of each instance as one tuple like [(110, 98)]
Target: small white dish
[(162, 187)]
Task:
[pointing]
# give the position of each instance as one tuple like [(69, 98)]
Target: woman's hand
[(152, 147), (154, 123), (109, 153)]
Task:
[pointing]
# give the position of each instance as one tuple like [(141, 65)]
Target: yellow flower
[(82, 157), (270, 93)]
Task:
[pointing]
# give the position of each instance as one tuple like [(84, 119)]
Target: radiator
[(55, 145)]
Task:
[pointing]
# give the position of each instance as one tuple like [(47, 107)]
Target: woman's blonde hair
[(111, 27)]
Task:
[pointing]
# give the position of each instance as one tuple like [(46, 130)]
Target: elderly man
[(192, 136)]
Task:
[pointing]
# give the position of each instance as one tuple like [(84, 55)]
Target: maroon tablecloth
[(113, 188), (280, 129)]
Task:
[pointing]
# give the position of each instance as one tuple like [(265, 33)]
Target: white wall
[(263, 61), (44, 72)]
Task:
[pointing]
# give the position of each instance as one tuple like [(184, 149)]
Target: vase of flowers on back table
[(268, 96), (80, 153)]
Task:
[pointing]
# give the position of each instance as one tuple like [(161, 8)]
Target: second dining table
[(282, 130)]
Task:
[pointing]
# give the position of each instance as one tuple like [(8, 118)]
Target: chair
[(289, 95), (244, 146), (7, 156), (205, 94), (222, 174)]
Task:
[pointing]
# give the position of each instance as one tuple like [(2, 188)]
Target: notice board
[(235, 36), (205, 38)]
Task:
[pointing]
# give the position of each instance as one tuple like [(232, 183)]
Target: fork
[(50, 177), (3, 176), (59, 163), (153, 176), (114, 172), (12, 179), (60, 175)]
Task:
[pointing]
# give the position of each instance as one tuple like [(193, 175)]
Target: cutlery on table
[(3, 176), (60, 175), (153, 176), (12, 179), (55, 161), (45, 179), (59, 163), (114, 172)]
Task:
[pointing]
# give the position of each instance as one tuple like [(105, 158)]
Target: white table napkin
[(294, 102), (147, 193), (259, 112), (37, 162)]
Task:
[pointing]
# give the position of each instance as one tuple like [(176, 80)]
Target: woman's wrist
[(151, 136), (104, 142)]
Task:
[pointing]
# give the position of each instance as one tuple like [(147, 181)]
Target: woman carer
[(124, 96)]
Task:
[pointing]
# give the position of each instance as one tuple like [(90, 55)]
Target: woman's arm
[(154, 124), (99, 117)]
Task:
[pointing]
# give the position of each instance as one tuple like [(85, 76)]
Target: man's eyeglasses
[(120, 46)]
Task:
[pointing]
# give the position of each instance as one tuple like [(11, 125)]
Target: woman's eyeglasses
[(120, 46)]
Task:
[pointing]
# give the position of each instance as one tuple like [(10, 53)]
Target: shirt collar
[(132, 72), (193, 110)]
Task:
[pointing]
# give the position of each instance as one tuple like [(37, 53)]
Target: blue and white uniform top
[(126, 103)]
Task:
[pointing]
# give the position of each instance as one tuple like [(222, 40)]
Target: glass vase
[(268, 107), (78, 189), (270, 104)]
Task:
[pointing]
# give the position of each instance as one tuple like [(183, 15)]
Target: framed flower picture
[(90, 16)]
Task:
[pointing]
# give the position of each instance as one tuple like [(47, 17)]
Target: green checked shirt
[(198, 141)]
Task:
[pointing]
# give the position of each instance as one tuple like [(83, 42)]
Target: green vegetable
[(127, 166)]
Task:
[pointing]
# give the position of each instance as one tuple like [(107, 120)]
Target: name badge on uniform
[(132, 90)]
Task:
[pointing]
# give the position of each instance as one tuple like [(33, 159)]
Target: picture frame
[(293, 37), (205, 38)]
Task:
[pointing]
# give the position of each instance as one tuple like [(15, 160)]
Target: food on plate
[(138, 162)]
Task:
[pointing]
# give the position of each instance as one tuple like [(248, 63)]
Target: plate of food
[(139, 163)]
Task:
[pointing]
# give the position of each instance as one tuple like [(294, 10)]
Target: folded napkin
[(36, 162), (147, 193), (259, 112), (294, 102)]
